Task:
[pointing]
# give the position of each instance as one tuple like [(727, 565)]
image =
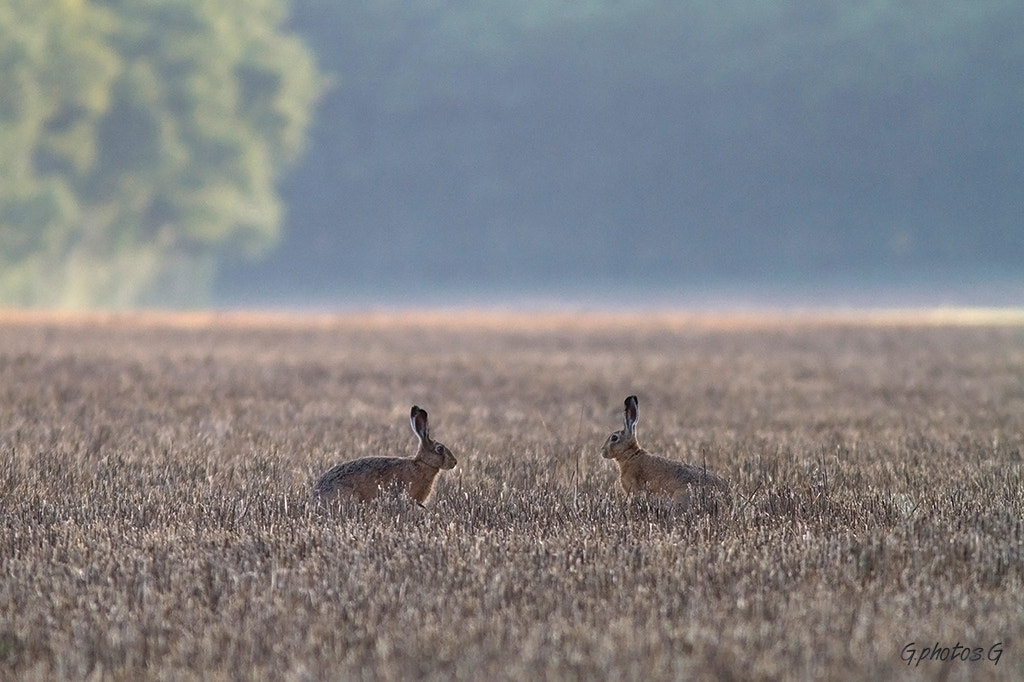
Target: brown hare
[(364, 479), (642, 472)]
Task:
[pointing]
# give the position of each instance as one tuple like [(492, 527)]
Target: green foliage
[(143, 140)]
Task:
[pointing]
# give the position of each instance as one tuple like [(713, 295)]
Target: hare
[(640, 471), (363, 479)]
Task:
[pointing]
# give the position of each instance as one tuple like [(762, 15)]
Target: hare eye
[(439, 449), (615, 438)]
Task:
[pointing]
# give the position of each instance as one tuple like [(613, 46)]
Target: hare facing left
[(363, 479), (642, 472)]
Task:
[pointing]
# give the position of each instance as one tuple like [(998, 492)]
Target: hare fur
[(642, 472), (364, 479)]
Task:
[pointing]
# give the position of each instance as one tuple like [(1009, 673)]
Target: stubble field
[(156, 522)]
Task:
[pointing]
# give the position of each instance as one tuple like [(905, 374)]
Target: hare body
[(642, 472), (364, 479)]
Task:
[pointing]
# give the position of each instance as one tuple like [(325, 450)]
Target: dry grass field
[(156, 523)]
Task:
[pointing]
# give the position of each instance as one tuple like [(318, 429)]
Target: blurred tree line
[(142, 140), (148, 143), (516, 143)]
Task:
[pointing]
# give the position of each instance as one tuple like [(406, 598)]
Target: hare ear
[(418, 419), (631, 413)]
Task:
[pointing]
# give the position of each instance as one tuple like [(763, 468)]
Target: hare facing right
[(363, 479), (642, 472)]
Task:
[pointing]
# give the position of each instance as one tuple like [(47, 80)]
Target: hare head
[(431, 452), (622, 444)]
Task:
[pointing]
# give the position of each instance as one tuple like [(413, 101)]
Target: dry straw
[(155, 478)]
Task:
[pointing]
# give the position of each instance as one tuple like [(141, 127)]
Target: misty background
[(328, 154)]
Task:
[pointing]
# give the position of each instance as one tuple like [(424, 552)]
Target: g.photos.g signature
[(911, 654)]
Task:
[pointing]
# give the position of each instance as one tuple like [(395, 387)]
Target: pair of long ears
[(418, 419), (631, 414)]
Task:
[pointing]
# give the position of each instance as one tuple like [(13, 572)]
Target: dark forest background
[(325, 153)]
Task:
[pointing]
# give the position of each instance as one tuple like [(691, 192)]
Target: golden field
[(155, 471)]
